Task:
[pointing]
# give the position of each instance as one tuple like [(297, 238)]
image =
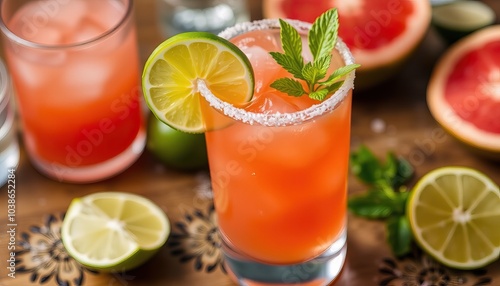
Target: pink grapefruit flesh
[(464, 91), (380, 33)]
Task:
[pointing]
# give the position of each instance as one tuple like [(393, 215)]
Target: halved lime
[(171, 73), (113, 231), (461, 18), (454, 214)]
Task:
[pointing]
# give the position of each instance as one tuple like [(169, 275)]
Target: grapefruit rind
[(484, 142), (381, 64)]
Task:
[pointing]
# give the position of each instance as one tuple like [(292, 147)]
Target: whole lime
[(176, 149)]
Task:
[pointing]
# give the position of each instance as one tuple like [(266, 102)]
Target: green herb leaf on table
[(399, 235), (386, 196), (322, 39)]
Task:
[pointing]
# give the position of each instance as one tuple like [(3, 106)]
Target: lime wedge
[(112, 231), (171, 73), (458, 19), (454, 214)]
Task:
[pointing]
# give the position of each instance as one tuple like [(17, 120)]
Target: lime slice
[(171, 73), (112, 231), (461, 18), (454, 214)]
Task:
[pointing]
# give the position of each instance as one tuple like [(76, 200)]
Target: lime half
[(171, 74), (112, 231), (454, 214), (461, 18)]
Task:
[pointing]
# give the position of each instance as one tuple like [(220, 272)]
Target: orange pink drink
[(279, 169), (75, 69)]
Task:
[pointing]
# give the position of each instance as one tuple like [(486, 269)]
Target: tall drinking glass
[(279, 169), (75, 68)]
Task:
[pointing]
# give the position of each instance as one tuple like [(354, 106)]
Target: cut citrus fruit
[(454, 214), (171, 73), (458, 19), (463, 94), (176, 149), (381, 34), (112, 231)]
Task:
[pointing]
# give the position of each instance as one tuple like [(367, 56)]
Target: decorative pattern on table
[(198, 240), (43, 257), (419, 269)]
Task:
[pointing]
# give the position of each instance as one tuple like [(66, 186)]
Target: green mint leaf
[(288, 64), (312, 73), (289, 86), (404, 173), (390, 168), (399, 235), (323, 34), (319, 94), (292, 44), (365, 166), (373, 204), (339, 73), (323, 64), (322, 39), (400, 201), (334, 87)]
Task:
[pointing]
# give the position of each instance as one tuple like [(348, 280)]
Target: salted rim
[(279, 119)]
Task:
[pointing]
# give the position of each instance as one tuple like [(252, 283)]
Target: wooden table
[(409, 131)]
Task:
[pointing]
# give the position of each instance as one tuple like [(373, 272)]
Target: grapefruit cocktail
[(279, 169), (76, 72), (273, 98)]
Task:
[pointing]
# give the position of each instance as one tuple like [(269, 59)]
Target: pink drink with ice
[(77, 86), (280, 189)]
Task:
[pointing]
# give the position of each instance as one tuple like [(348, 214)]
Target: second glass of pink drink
[(279, 170), (75, 68)]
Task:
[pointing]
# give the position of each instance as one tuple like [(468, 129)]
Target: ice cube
[(267, 40), (66, 14), (39, 57), (291, 139), (105, 14), (265, 68), (49, 35), (33, 22), (88, 77), (85, 32), (30, 72), (270, 103)]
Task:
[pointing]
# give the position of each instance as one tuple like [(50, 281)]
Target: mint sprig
[(386, 196), (322, 39)]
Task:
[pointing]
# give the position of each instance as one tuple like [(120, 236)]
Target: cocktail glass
[(279, 169), (75, 68)]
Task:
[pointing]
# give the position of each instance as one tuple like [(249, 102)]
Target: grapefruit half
[(463, 94), (380, 33)]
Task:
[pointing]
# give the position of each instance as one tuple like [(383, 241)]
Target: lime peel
[(99, 233), (171, 73), (460, 234)]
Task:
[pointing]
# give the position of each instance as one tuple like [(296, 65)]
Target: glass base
[(319, 271), (93, 173)]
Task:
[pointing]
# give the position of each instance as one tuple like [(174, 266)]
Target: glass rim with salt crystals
[(279, 119)]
